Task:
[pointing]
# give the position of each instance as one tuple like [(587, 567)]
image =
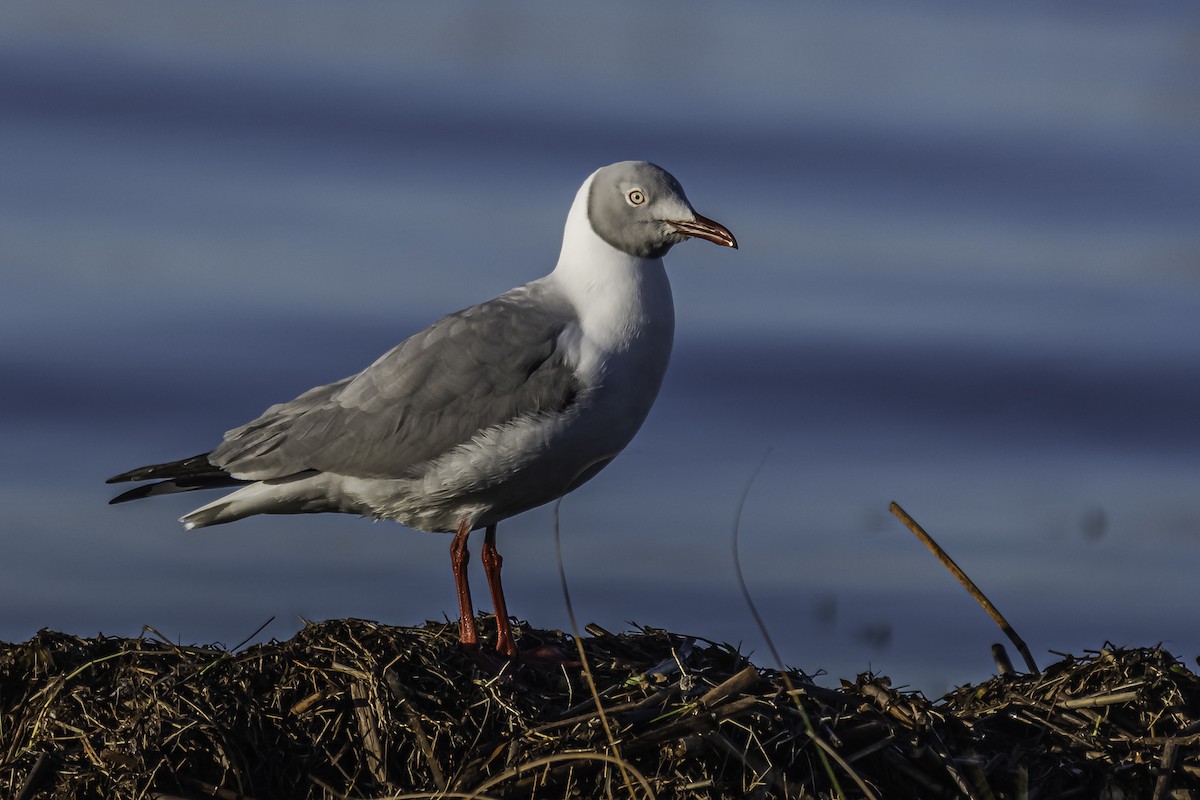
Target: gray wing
[(472, 370)]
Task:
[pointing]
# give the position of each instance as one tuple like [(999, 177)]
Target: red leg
[(468, 636), (491, 566)]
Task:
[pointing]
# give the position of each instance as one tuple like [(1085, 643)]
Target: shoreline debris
[(350, 708)]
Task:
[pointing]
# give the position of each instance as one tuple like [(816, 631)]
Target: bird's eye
[(635, 197)]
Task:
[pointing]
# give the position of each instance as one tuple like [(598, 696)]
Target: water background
[(969, 282)]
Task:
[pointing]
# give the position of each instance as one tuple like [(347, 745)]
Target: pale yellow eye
[(636, 197)]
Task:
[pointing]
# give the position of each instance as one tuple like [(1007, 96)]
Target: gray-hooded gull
[(491, 411)]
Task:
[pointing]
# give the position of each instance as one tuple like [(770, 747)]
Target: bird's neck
[(618, 297)]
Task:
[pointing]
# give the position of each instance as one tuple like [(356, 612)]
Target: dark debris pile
[(349, 708)]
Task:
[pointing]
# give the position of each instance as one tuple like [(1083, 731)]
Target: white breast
[(619, 346), (626, 326)]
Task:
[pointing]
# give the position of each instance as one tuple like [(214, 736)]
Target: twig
[(563, 761), (650, 700), (257, 631), (938, 750), (1099, 700), (696, 723), (762, 627), (414, 721), (736, 684), (975, 769), (360, 697), (767, 773), (1003, 662), (825, 747), (737, 564), (1166, 771), (967, 583), (622, 765), (36, 773)]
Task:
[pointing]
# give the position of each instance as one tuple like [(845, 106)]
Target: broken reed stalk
[(966, 582)]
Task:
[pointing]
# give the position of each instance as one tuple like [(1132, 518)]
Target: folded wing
[(473, 370)]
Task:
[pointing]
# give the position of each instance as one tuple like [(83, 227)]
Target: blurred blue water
[(969, 282)]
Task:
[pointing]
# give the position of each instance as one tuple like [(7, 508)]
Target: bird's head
[(640, 209)]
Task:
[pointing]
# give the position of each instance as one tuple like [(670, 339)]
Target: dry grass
[(350, 708)]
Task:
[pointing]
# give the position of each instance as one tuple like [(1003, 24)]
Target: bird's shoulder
[(493, 346)]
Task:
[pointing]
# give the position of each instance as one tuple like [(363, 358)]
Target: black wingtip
[(132, 494), (196, 466), (187, 475)]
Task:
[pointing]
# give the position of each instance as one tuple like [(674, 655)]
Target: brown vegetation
[(350, 708)]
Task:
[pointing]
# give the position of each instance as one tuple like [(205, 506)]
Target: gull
[(489, 412)]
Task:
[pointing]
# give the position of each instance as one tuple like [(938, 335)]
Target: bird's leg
[(491, 566), (468, 636)]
